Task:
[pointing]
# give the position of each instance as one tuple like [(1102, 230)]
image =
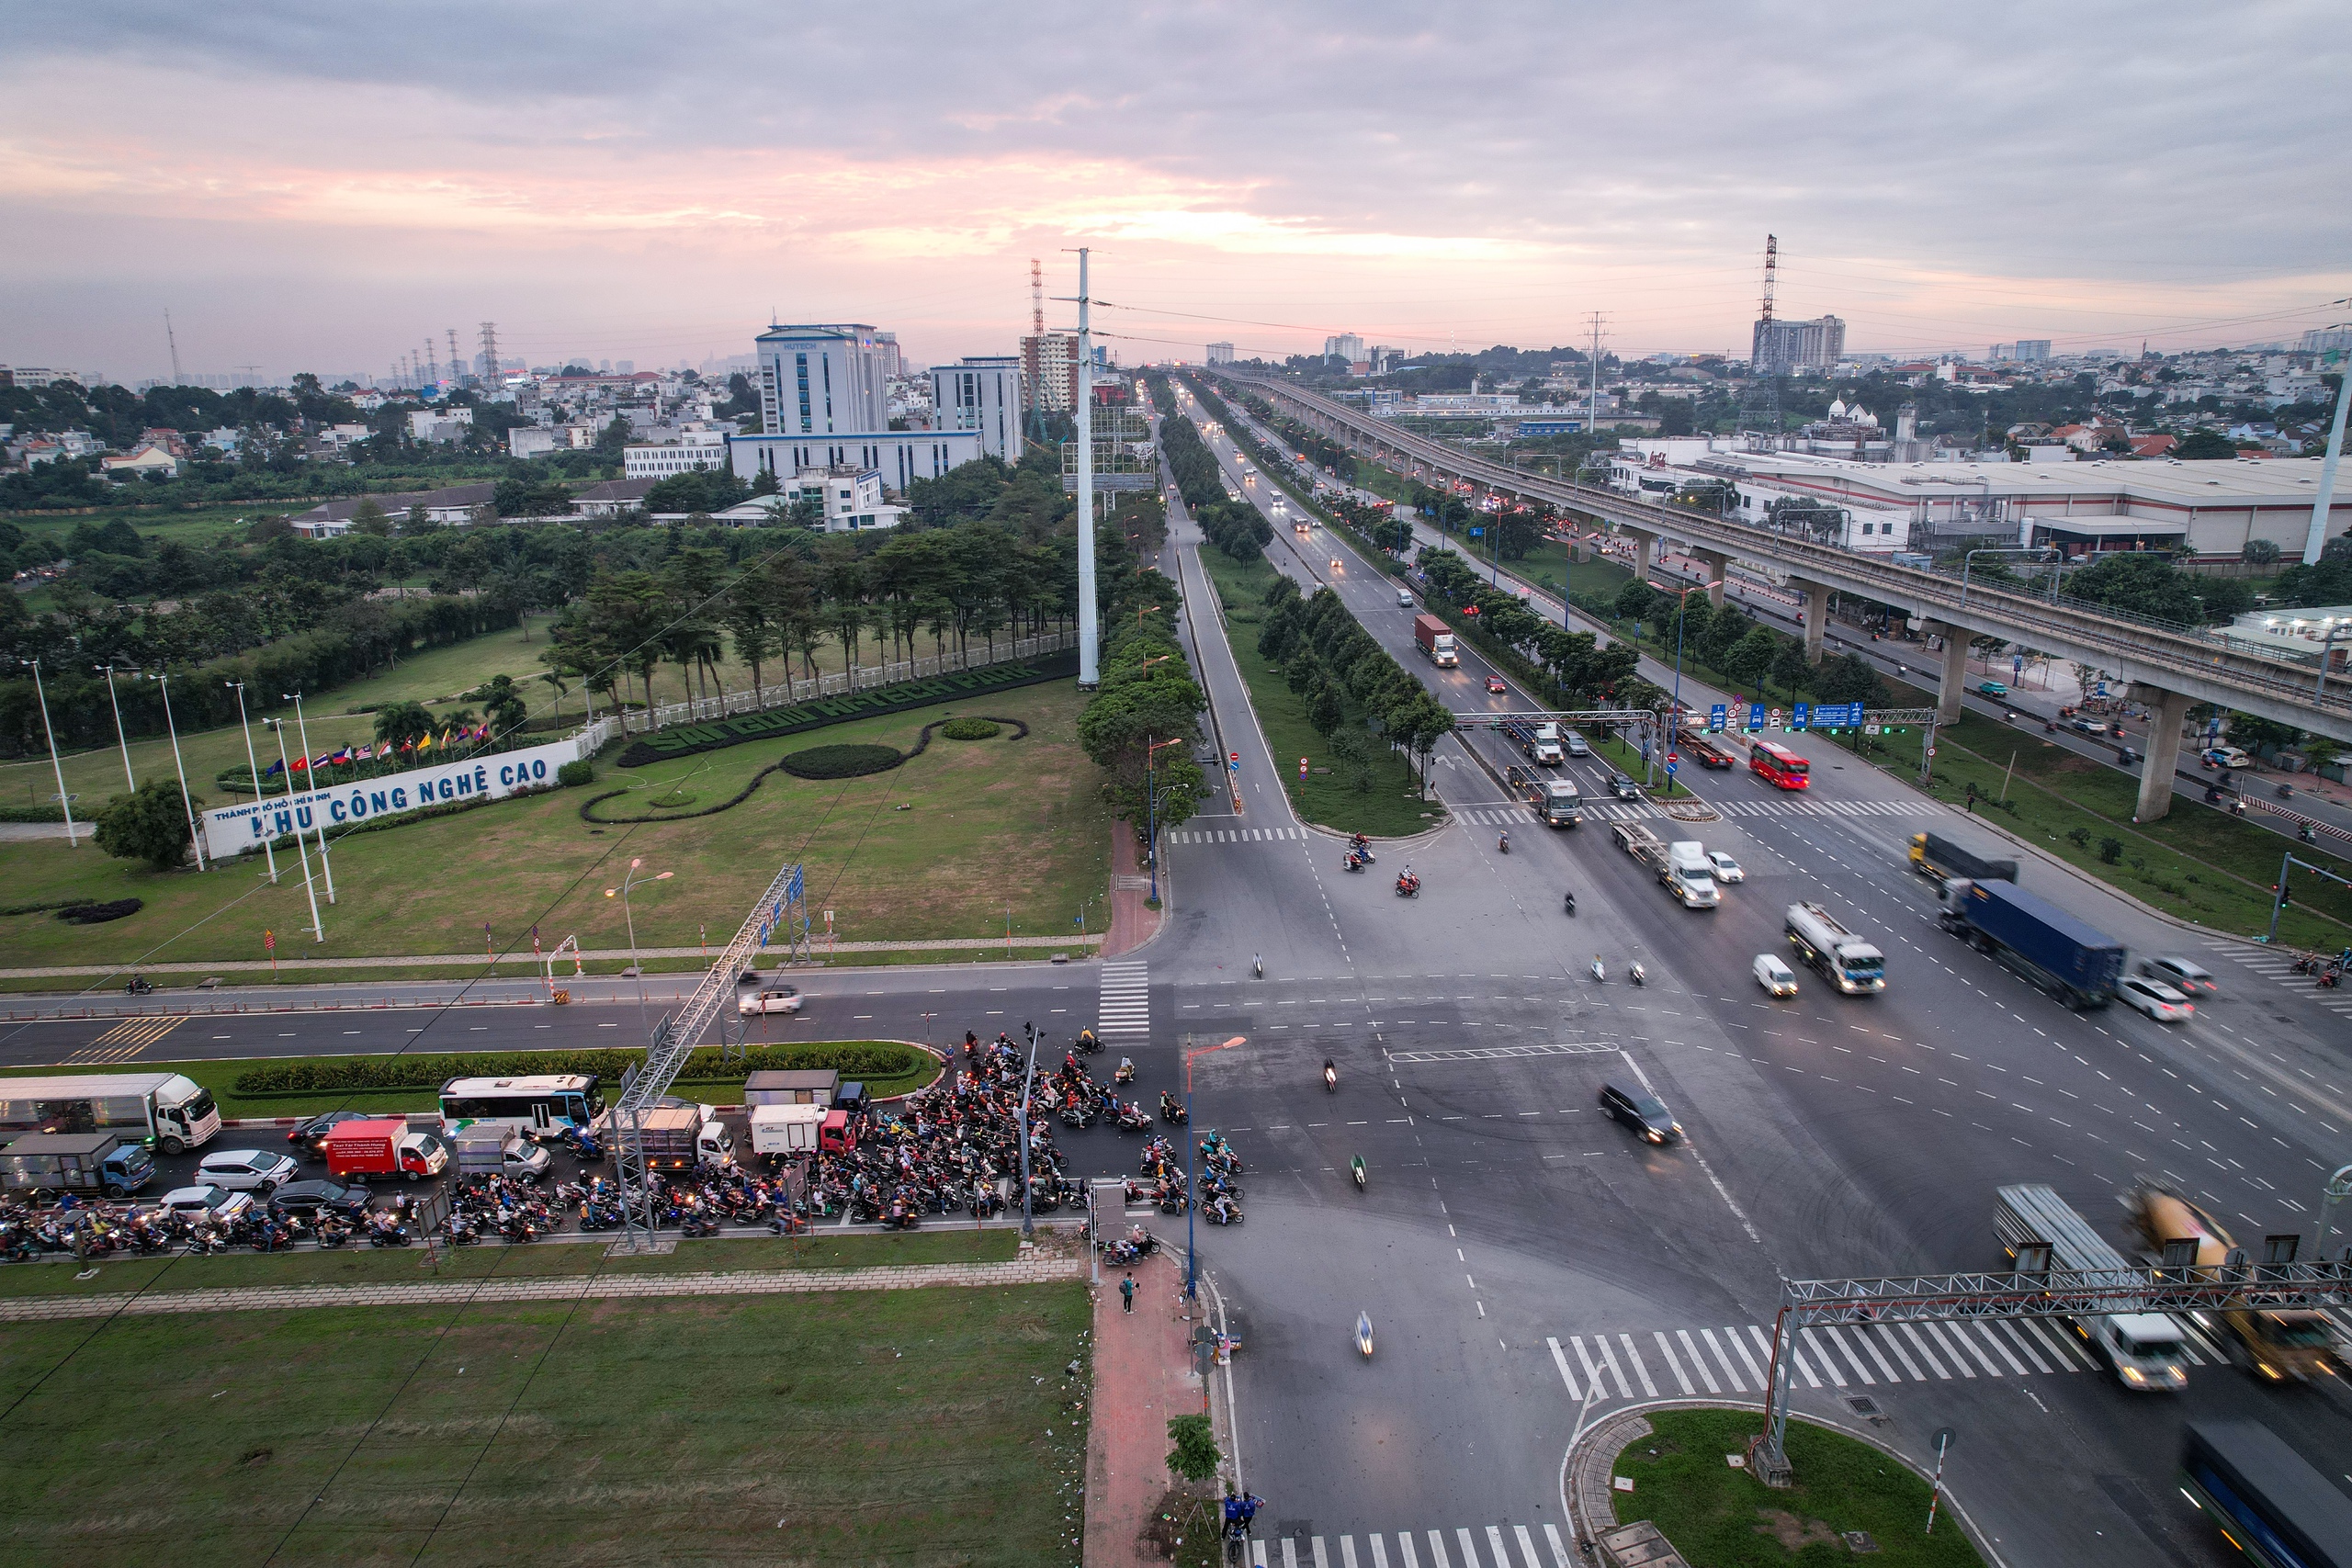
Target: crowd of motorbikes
[(2328, 971)]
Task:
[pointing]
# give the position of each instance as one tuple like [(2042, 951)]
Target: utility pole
[(1592, 413), (171, 338), (1090, 632), (252, 767), (2316, 538)]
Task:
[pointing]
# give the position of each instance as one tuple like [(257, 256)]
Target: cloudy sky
[(309, 187)]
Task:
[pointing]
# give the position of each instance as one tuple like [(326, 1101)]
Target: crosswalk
[(125, 1041), (1125, 1007), (1463, 1546), (2279, 966), (1232, 835), (1627, 811)]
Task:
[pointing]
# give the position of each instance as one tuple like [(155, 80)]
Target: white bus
[(539, 1104), (169, 1110)]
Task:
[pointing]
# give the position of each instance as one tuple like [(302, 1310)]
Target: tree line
[(1354, 689)]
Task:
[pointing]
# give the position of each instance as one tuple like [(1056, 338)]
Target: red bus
[(1777, 765)]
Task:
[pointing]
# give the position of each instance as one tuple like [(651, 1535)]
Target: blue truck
[(2071, 957)]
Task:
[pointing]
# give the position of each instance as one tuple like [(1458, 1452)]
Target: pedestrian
[(1128, 1294)]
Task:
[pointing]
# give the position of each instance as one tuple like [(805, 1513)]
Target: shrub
[(2110, 851), (355, 1073), (840, 761), (98, 914), (971, 728), (573, 774), (2079, 837)]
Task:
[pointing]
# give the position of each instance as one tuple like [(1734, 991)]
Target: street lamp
[(120, 739), (303, 729), (188, 802), (1191, 1189), (252, 767), (622, 892), (1674, 719), (318, 929), (64, 801), (1151, 803), (1028, 1219)]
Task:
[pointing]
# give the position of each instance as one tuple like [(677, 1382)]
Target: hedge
[(971, 728), (841, 761), (99, 914), (357, 1073)]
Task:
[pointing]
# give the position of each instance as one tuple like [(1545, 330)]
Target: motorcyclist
[(1571, 896), (1330, 1074), (1503, 843)]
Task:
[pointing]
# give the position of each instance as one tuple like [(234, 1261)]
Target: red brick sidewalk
[(1131, 922), (1143, 1376)]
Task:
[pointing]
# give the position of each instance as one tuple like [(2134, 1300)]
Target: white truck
[(1846, 960), (1682, 867), (784, 1131), (2039, 1231), (170, 1109)]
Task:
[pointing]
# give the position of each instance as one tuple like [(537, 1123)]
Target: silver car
[(246, 1171)]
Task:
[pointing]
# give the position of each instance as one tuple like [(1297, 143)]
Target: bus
[(2265, 1498), (1777, 765), (539, 1104)]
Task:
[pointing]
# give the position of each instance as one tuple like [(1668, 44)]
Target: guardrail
[(2100, 631)]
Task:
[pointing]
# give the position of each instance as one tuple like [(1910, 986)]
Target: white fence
[(595, 735)]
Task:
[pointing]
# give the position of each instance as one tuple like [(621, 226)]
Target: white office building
[(1220, 354), (824, 403), (1344, 345), (691, 447), (981, 393)]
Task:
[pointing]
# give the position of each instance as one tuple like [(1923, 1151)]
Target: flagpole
[(303, 726), (318, 930), (253, 766), (195, 834)]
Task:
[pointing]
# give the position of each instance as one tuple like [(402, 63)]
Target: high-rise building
[(981, 393), (1780, 348), (1344, 345), (2033, 348), (1049, 360), (893, 362), (1220, 354), (2326, 340), (824, 403)]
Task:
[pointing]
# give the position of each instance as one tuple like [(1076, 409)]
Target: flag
[(272, 770), (365, 753), (301, 764), (445, 740), (426, 744), (322, 760), (342, 758)]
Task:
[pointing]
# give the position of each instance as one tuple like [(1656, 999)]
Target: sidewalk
[(1132, 920), (1143, 1376)]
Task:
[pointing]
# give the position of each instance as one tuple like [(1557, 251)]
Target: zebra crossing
[(1125, 1007), (1497, 815), (1231, 835), (125, 1041), (1459, 1547), (2278, 967), (1690, 1362)]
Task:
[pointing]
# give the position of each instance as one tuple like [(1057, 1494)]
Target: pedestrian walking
[(1128, 1293)]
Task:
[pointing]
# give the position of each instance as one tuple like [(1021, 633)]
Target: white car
[(2153, 997), (197, 1202), (1726, 868), (771, 998), (1775, 976), (246, 1171)]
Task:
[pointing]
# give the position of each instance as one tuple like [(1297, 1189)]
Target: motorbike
[(2330, 976), (137, 987), (1258, 965), (1356, 1171), (1132, 1119), (1353, 863), (1570, 903), (1599, 975), (1503, 844), (1222, 1212), (1363, 1334), (1126, 1071), (1407, 884), (1331, 1077), (1362, 847), (1087, 1042), (2305, 963), (1171, 1110), (1638, 977)]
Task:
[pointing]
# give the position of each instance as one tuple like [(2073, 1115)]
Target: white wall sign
[(231, 829)]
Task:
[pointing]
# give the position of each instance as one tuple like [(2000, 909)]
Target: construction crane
[(779, 910)]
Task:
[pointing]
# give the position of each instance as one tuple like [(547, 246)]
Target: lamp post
[(622, 892), (114, 699), (253, 766), (2335, 629), (1192, 1190), (318, 930), (1151, 803), (188, 802), (1028, 1220), (1674, 719), (64, 801), (303, 729)]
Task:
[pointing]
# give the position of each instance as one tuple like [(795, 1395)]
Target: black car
[(311, 1135), (311, 1197), (1623, 788), (1645, 1112)]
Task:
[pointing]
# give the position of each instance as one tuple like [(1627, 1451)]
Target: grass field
[(1726, 1519), (377, 1266), (931, 1426), (1392, 808), (958, 842), (192, 526)]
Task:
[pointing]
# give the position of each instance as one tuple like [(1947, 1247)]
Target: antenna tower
[(1592, 414), (1037, 297), (491, 376), (1771, 271)]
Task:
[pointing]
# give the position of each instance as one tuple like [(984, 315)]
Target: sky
[(323, 187)]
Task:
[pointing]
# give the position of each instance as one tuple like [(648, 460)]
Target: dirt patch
[(1180, 1522), (1793, 1533)]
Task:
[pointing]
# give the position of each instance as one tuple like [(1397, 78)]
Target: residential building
[(1344, 346), (441, 424), (2032, 350), (824, 403), (1050, 365), (689, 448), (1220, 354), (2326, 340), (1781, 348), (611, 498), (893, 363), (981, 393), (148, 459), (338, 437), (448, 506)]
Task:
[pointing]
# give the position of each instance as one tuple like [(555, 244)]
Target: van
[(1404, 598), (1643, 1112)]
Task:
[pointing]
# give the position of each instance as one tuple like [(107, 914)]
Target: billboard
[(232, 829)]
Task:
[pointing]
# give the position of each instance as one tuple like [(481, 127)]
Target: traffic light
[(2285, 894)]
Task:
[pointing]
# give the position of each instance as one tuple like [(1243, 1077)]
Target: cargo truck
[(2039, 1231), (678, 1137), (1539, 743), (45, 1164), (2264, 1498), (383, 1145), (170, 1109), (490, 1148), (1849, 962), (2278, 1343), (783, 1131), (2070, 957), (1555, 800), (792, 1086), (1436, 641), (1934, 855), (1705, 751), (1682, 868)]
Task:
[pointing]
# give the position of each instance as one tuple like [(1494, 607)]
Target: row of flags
[(345, 756)]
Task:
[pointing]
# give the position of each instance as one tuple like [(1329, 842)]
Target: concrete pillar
[(1718, 566), (1954, 677), (2166, 712), (1816, 617), (1644, 546)]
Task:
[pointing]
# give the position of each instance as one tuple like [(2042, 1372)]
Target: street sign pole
[(1936, 1491)]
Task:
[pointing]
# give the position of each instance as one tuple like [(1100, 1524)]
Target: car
[(1643, 1112), (2088, 726), (1497, 683), (2189, 980), (197, 1202), (1726, 868), (1992, 688), (1774, 975), (246, 1171), (1575, 743), (313, 1196), (771, 998), (2224, 757), (311, 1135), (1623, 788), (1404, 598), (2153, 997)]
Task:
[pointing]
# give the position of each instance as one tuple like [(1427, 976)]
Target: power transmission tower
[(173, 338), (1035, 369), (1592, 414), (490, 355), (1763, 393), (432, 364), (456, 370)]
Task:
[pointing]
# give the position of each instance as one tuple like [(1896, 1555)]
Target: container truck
[(1934, 855), (1555, 800), (1705, 751), (2256, 1489), (47, 1163), (2039, 1231), (2278, 1343), (169, 1110), (1436, 639), (1849, 962), (1682, 868), (383, 1145), (678, 1137), (792, 1086), (1540, 743), (489, 1148), (2071, 957), (783, 1131)]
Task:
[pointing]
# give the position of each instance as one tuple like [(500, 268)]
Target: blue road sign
[(1800, 716), (1755, 716), (1672, 769), (1477, 532), (1717, 716)]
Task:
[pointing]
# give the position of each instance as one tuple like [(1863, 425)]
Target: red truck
[(1436, 639), (383, 1147)]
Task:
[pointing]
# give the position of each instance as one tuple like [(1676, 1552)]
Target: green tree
[(149, 824), (1637, 600), (1750, 659), (1195, 1456), (401, 725), (1790, 669), (1848, 679), (2205, 446)]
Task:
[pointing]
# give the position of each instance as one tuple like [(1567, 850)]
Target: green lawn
[(1726, 1519), (192, 526), (916, 1428), (945, 1243), (953, 844), (1392, 808)]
